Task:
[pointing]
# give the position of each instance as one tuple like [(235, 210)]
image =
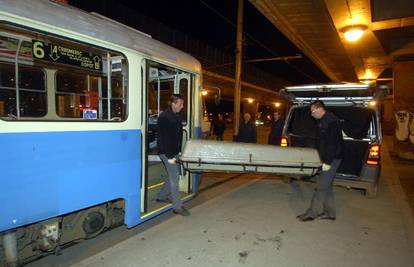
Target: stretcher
[(207, 155)]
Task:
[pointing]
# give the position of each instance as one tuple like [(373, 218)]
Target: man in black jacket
[(329, 145), (275, 135), (169, 145), (247, 130), (218, 127)]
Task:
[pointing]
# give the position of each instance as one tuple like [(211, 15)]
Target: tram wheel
[(93, 224)]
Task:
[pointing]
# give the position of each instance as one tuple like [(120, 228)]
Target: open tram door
[(184, 86), (161, 82)]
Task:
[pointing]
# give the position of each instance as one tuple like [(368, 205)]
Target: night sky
[(214, 22)]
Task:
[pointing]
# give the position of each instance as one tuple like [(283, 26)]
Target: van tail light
[(284, 141), (374, 155)]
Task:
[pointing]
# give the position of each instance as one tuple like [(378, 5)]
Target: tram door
[(162, 82)]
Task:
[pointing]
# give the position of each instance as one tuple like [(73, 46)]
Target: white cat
[(402, 131)]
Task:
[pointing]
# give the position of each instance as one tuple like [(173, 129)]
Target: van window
[(356, 123), (302, 128)]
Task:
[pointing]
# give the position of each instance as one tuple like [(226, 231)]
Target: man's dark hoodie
[(329, 138), (170, 133)]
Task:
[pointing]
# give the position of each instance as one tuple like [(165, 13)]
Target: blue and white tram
[(79, 98)]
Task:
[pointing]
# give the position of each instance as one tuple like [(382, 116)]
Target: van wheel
[(372, 191)]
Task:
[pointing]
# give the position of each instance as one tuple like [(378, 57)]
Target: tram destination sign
[(65, 55)]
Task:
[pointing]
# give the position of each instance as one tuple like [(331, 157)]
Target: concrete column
[(238, 78)]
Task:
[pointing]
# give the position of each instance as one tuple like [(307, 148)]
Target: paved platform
[(255, 225)]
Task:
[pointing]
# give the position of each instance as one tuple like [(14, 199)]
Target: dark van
[(357, 106)]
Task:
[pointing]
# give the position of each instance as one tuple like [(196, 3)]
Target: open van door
[(334, 92)]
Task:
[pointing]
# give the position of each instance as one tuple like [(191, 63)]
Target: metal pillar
[(237, 89)]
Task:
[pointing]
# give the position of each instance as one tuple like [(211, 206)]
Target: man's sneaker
[(181, 211), (304, 218), (324, 216)]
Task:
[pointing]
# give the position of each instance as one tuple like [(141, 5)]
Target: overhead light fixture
[(354, 32), (204, 92), (368, 81), (250, 100), (325, 87)]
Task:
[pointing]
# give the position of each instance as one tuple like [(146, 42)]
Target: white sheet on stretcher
[(210, 155)]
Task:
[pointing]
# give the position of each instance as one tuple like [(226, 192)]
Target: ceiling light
[(204, 92), (354, 32), (367, 81)]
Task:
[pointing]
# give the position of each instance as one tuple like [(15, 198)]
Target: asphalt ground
[(254, 224), (249, 220)]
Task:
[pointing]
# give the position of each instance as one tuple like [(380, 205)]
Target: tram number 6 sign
[(65, 55)]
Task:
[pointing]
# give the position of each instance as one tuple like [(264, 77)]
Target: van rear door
[(334, 92)]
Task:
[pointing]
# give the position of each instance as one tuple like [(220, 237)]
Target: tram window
[(7, 102), (81, 91), (77, 92), (81, 73), (7, 76), (167, 89), (71, 94), (117, 109), (32, 93), (116, 87), (117, 99), (32, 104), (163, 82), (31, 78)]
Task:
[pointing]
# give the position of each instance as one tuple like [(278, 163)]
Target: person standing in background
[(275, 134), (247, 130), (218, 127)]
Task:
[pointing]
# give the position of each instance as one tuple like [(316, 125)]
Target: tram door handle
[(183, 171), (185, 137)]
